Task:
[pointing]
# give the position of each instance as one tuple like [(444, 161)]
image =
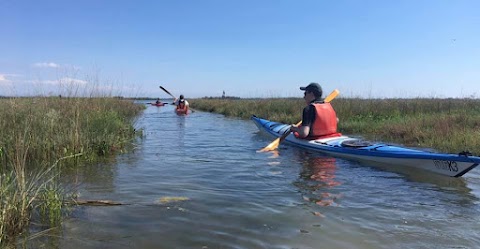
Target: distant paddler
[(181, 105)]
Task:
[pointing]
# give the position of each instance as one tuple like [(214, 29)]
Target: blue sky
[(262, 48)]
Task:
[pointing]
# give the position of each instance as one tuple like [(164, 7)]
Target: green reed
[(40, 135), (446, 125)]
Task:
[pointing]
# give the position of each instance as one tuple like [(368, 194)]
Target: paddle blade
[(272, 146), (332, 95), (165, 90)]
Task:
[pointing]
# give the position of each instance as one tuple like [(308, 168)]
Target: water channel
[(197, 181)]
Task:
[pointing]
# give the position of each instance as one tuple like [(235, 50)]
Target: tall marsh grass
[(445, 125), (40, 135)]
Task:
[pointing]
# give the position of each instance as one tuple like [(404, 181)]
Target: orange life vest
[(180, 109), (325, 123)]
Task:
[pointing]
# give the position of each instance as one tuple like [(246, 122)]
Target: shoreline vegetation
[(40, 136), (443, 125)]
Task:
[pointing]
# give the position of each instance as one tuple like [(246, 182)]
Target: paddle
[(274, 145), (165, 90)]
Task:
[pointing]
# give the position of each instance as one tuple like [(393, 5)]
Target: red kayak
[(158, 104), (181, 111)]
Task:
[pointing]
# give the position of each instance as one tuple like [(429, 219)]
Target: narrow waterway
[(197, 181)]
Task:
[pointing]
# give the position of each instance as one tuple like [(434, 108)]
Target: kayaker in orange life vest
[(319, 120), (182, 105), (177, 101)]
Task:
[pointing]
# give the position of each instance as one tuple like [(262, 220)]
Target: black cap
[(181, 96), (313, 87)]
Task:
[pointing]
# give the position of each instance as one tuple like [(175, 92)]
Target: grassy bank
[(40, 135), (446, 125)]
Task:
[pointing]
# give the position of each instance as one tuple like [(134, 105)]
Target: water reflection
[(317, 180), (180, 142), (435, 182), (97, 176)]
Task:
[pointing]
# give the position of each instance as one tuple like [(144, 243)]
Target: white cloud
[(4, 81), (46, 65), (3, 78), (64, 81)]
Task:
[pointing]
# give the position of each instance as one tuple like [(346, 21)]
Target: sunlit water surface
[(230, 196)]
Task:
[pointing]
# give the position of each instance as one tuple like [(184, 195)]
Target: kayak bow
[(181, 111), (454, 165)]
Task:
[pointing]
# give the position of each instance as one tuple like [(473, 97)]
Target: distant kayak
[(453, 165), (158, 104)]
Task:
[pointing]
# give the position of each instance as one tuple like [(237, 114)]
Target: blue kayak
[(453, 165)]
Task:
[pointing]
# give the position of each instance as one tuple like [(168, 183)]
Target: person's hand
[(293, 128)]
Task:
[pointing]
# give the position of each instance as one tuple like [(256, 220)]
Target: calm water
[(234, 197)]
